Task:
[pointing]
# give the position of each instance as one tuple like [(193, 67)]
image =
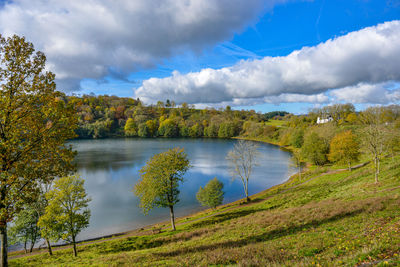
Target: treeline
[(345, 137), (112, 116)]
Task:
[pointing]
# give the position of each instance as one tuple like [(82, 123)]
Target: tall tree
[(67, 212), (159, 181), (344, 148), (35, 121), (242, 159)]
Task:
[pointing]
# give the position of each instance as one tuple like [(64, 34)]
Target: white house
[(328, 119)]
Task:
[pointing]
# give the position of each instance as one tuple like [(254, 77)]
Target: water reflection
[(110, 169)]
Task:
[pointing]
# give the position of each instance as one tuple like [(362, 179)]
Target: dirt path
[(138, 232)]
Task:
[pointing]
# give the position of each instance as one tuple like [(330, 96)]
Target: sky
[(264, 55)]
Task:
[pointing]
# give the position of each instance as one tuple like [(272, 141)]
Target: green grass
[(338, 219), (277, 123)]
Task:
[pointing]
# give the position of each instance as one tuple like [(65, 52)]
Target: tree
[(297, 138), (344, 148), (152, 126), (314, 149), (296, 158), (242, 159), (130, 128), (374, 136), (168, 128), (159, 181), (35, 121), (211, 195), (47, 232), (24, 229), (143, 130), (67, 213)]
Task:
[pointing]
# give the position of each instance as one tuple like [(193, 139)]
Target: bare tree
[(242, 158), (374, 136), (297, 161)]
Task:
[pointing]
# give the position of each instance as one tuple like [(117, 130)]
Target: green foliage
[(211, 195), (227, 130), (168, 128), (297, 138), (160, 178), (35, 122), (212, 130), (67, 213), (159, 181), (144, 130), (183, 130), (273, 114), (152, 127), (24, 229), (131, 128), (196, 130), (314, 149)]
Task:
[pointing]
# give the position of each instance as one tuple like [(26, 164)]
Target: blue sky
[(273, 30), (286, 28)]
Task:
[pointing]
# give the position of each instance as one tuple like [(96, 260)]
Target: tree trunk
[(349, 166), (3, 240), (49, 247), (74, 246), (26, 251), (31, 248), (376, 170), (379, 166), (300, 172), (247, 192), (171, 211)]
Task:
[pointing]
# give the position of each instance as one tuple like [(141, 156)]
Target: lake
[(110, 169)]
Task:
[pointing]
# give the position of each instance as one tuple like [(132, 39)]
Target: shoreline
[(163, 225)]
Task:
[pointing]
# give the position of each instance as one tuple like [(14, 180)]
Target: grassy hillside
[(328, 218)]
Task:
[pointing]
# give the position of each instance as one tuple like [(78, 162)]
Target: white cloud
[(368, 93), (367, 56), (83, 39)]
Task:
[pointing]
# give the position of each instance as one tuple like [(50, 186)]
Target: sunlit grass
[(277, 123)]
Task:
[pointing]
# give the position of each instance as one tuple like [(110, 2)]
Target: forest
[(112, 116)]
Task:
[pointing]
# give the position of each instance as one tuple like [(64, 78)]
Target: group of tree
[(111, 116), (35, 122), (59, 212), (373, 132), (160, 178)]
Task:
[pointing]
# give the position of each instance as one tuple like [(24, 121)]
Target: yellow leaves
[(344, 148)]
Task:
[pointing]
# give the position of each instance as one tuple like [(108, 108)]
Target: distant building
[(328, 119)]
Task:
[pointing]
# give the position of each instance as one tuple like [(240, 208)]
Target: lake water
[(110, 169)]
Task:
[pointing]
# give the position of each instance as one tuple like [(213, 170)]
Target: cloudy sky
[(264, 55)]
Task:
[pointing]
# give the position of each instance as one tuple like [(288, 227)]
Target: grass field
[(326, 218), (277, 123)]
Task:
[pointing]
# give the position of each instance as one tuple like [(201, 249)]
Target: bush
[(211, 195), (314, 149)]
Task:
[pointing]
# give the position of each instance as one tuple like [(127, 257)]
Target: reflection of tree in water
[(110, 169), (110, 160)]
